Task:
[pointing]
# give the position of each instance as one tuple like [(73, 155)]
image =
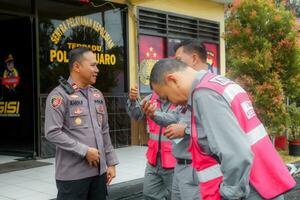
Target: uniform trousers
[(157, 182), (91, 188), (185, 183)]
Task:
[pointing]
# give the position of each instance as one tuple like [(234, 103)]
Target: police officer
[(160, 166), (185, 182), (76, 122)]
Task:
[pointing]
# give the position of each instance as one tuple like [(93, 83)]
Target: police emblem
[(78, 121), (101, 108), (77, 111), (55, 101), (96, 95), (145, 70)]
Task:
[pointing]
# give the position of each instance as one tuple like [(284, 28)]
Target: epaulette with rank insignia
[(66, 85)]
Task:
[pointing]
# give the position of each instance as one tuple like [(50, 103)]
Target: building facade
[(128, 37)]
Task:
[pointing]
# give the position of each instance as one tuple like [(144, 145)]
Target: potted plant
[(294, 133)]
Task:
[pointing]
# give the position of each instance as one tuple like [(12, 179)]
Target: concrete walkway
[(39, 183)]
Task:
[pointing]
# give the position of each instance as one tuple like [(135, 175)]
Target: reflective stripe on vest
[(214, 171), (231, 91), (210, 173), (256, 134), (156, 137)]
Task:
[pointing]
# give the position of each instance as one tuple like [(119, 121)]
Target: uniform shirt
[(181, 149), (73, 123), (220, 135), (162, 118)]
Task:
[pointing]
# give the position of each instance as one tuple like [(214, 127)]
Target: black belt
[(183, 161)]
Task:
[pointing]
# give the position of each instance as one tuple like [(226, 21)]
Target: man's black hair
[(164, 66), (76, 55), (193, 46)]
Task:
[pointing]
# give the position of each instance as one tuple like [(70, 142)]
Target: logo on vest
[(248, 109), (220, 80)]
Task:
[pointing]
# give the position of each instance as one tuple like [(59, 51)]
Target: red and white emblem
[(55, 101), (96, 95), (101, 108)]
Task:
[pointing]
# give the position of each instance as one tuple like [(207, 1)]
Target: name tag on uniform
[(248, 109), (76, 102)]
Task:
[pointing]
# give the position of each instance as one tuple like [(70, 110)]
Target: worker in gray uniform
[(160, 161), (76, 122), (185, 182), (220, 138)]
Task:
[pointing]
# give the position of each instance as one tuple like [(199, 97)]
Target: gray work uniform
[(74, 122), (220, 135), (185, 181), (157, 180)]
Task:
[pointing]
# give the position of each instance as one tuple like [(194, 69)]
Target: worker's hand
[(110, 174), (175, 131), (134, 93), (93, 157), (149, 108)]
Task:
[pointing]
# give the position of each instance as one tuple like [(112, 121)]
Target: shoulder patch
[(96, 95), (55, 101)]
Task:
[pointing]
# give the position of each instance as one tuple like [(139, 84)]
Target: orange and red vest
[(268, 175), (157, 141)]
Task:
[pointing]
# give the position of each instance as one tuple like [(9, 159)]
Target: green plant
[(263, 56), (294, 121)]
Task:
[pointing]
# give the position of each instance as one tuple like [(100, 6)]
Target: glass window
[(102, 30)]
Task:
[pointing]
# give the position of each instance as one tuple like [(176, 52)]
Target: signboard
[(151, 49), (92, 31), (212, 56)]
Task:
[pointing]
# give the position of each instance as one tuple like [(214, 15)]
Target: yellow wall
[(204, 9)]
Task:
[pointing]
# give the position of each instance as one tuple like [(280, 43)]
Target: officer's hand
[(134, 93), (175, 131), (93, 156), (110, 174), (149, 108)]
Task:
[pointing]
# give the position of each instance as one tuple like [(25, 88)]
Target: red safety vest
[(268, 175), (158, 142)]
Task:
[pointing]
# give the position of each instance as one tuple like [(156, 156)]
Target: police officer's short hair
[(163, 67), (193, 46), (76, 55)]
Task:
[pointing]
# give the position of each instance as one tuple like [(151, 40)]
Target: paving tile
[(37, 196), (39, 183)]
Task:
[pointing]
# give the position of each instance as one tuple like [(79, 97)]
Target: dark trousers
[(92, 188)]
